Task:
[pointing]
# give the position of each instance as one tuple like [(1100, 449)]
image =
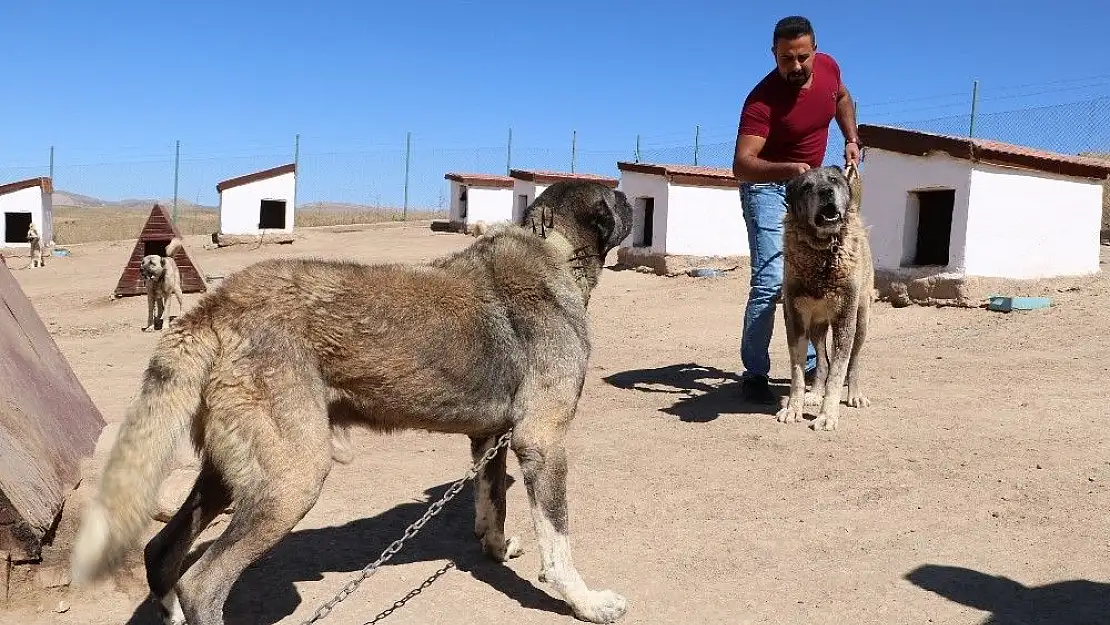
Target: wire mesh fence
[(405, 179)]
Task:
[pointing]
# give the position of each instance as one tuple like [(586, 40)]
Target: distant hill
[(76, 200)]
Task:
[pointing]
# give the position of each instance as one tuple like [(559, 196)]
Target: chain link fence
[(404, 179)]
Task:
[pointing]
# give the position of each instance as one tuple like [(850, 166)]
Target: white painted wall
[(636, 186), (891, 212), (488, 204), (1026, 224), (1006, 223), (689, 220), (31, 200), (527, 188), (239, 205), (705, 221)]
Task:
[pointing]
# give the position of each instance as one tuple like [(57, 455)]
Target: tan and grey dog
[(260, 372), (828, 281), (163, 279), (38, 258)]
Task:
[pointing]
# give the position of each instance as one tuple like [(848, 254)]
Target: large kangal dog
[(261, 371), (828, 281)]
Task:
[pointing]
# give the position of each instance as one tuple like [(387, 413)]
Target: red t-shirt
[(794, 121)]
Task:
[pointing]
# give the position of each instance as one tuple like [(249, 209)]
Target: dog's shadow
[(1074, 602), (265, 593), (703, 393)]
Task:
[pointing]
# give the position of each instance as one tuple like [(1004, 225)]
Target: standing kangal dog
[(163, 279), (35, 239), (261, 371), (828, 280)]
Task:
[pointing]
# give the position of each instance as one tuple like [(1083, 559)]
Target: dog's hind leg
[(489, 502), (856, 398), (538, 442), (180, 303), (166, 552), (272, 445)]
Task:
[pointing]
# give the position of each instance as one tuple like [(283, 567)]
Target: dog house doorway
[(271, 215), (930, 216), (158, 248), (462, 202), (643, 221), (15, 227)]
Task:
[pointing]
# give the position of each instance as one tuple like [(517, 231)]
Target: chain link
[(434, 509), (412, 593)]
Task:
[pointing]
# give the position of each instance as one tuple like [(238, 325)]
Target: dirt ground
[(975, 489)]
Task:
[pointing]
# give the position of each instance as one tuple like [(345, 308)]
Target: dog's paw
[(170, 609), (602, 606), (813, 398), (825, 422), (789, 414), (859, 400), (505, 549)]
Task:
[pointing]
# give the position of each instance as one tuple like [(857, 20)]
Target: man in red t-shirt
[(783, 131)]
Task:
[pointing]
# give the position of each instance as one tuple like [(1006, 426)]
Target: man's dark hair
[(792, 27)]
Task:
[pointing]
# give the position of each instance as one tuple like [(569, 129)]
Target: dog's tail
[(174, 246), (168, 401)]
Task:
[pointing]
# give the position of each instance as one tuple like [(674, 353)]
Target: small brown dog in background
[(162, 279)]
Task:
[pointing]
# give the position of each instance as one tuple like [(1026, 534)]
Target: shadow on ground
[(265, 593), (702, 393), (1074, 602)]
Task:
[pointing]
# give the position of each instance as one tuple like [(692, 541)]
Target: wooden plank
[(48, 423)]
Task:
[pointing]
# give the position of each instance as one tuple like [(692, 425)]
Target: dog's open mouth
[(827, 215)]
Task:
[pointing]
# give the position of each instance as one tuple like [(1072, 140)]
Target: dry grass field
[(974, 491), (77, 224)]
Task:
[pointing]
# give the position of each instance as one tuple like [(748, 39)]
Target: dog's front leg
[(490, 502), (843, 336), (819, 337), (539, 447), (149, 310), (796, 341)]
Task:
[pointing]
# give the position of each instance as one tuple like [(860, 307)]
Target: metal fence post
[(52, 163), (296, 168), (974, 108), (408, 157), (697, 137), (509, 153), (573, 149), (637, 148), (176, 175)]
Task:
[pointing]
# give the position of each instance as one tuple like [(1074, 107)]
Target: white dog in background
[(162, 279), (33, 237)]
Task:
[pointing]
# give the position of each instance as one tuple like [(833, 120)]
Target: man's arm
[(846, 115), (748, 167), (751, 135)]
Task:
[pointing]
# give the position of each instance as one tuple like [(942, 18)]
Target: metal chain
[(412, 593), (411, 531)]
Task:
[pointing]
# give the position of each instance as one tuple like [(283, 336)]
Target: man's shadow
[(265, 593), (1075, 602), (703, 393)]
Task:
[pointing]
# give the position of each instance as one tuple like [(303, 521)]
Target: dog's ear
[(855, 184), (615, 221), (793, 194)]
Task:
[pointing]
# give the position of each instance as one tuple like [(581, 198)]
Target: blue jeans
[(764, 207)]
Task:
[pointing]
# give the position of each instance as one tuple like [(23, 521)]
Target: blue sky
[(113, 85)]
